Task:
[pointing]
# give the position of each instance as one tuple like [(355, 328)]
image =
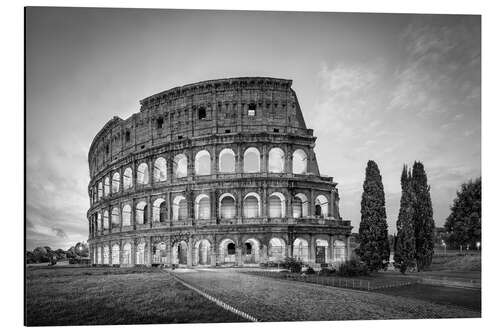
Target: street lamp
[(478, 246), (444, 245)]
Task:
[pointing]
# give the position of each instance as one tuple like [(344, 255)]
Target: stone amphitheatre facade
[(214, 173)]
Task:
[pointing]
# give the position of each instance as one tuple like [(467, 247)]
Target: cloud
[(59, 232)]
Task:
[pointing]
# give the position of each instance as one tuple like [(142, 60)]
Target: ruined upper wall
[(200, 109)]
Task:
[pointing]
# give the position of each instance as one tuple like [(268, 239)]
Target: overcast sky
[(392, 88)]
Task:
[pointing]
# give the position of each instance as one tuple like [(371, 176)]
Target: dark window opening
[(227, 131), (159, 123), (143, 146), (127, 136), (317, 210), (202, 113), (251, 109), (107, 149), (179, 137), (248, 249), (231, 249), (275, 130)]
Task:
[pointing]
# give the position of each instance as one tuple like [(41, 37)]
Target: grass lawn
[(466, 298), (103, 296)]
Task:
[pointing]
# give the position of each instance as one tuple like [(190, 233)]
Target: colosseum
[(215, 173)]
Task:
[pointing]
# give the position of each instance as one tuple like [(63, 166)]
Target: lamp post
[(444, 245), (478, 246)]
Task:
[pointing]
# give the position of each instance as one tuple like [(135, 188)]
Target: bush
[(327, 271), (353, 268), (293, 265)]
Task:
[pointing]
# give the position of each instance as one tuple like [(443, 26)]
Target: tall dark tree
[(464, 223), (423, 221), (404, 246), (374, 248)]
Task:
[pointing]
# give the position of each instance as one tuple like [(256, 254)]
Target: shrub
[(327, 271), (353, 268), (309, 271), (293, 265)]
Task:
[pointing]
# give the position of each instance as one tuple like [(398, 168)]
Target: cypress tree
[(404, 248), (374, 248), (423, 221)]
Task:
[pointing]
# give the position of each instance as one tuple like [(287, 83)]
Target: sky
[(393, 88)]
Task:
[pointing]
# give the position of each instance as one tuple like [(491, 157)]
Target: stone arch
[(140, 254), (202, 163), (180, 253), (277, 206), (276, 160), (322, 255), (127, 178), (339, 250), (277, 249), (179, 208), (141, 213), (142, 174), (227, 206), (115, 218), (251, 205), (106, 186), (180, 166), (99, 190), (115, 254), (203, 252), (301, 249), (202, 207), (300, 205), (321, 206), (227, 161), (160, 170), (126, 215), (160, 254), (105, 220), (299, 162), (160, 210), (227, 251), (251, 160), (127, 254), (115, 183), (251, 251)]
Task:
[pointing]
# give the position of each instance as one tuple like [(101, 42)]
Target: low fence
[(334, 281)]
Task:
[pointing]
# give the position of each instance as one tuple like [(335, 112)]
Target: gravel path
[(278, 300)]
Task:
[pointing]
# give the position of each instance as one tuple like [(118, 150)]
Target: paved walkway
[(270, 299)]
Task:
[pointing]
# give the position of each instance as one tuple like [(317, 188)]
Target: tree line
[(413, 244), (44, 254)]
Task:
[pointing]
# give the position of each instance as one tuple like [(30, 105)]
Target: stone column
[(132, 253), (348, 248), (190, 252), (149, 252), (312, 250), (150, 212), (239, 258)]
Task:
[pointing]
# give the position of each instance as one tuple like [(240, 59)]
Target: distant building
[(213, 173)]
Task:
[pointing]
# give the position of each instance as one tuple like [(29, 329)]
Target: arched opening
[(301, 250), (300, 205), (202, 163), (251, 205), (321, 251), (339, 251), (127, 178), (99, 221), (126, 215), (99, 256), (276, 160), (142, 174), (160, 254), (160, 170), (140, 254), (127, 254), (299, 162), (115, 255), (276, 205), (321, 206), (179, 208), (180, 253), (180, 166), (159, 210), (277, 249), (227, 206), (115, 218), (115, 183), (106, 259), (99, 191), (106, 186), (251, 251), (141, 215), (202, 252), (226, 161), (228, 251), (202, 207), (251, 160), (202, 113), (105, 220)]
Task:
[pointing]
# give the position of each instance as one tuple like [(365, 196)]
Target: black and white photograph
[(226, 166)]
